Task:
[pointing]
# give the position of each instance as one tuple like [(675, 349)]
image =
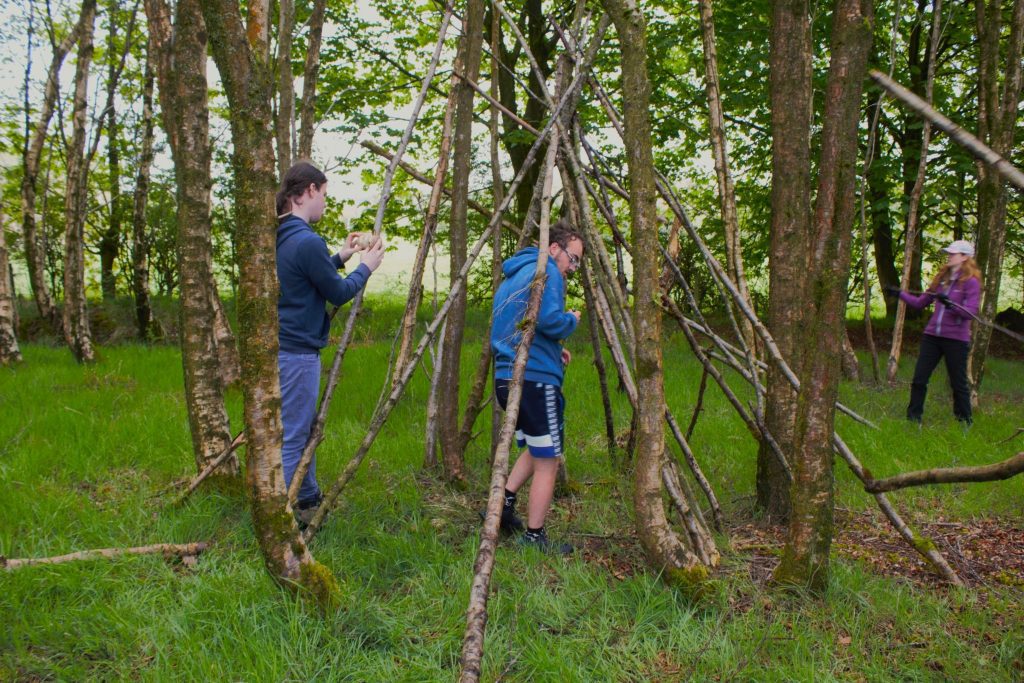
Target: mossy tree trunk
[(242, 55), (998, 107), (805, 558), (791, 104), (471, 48), (181, 66), (76, 317), (663, 547)]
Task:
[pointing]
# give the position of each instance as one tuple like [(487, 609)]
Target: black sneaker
[(540, 542), (511, 523)]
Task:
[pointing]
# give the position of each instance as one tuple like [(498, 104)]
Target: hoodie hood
[(524, 258), (553, 323), (290, 227)]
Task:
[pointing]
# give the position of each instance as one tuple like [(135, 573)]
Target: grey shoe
[(305, 511)]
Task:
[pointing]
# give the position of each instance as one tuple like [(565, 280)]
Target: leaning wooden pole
[(979, 149), (922, 545), (719, 147), (316, 434), (476, 613), (913, 208), (599, 366), (999, 471), (412, 304), (330, 500)]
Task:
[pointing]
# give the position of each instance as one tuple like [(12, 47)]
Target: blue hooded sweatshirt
[(308, 276), (553, 323)]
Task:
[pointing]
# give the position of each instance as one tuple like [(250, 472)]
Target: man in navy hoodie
[(541, 425), (308, 277)]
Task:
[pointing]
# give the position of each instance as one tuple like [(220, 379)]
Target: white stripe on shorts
[(551, 401)]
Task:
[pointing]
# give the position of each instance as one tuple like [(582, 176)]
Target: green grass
[(84, 453)]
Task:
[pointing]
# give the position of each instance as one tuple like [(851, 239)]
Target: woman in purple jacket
[(957, 288)]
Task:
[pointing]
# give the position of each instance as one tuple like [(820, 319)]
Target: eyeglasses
[(574, 260)]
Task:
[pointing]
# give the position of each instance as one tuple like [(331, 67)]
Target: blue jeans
[(300, 388)]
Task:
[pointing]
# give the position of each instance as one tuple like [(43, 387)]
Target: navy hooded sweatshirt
[(553, 322), (308, 276)]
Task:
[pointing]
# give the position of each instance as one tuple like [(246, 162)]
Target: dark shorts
[(541, 423)]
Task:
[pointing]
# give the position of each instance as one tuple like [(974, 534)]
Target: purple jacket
[(949, 322)]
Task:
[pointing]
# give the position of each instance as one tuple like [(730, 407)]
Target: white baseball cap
[(960, 247)]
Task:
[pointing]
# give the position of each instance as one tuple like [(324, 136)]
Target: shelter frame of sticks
[(588, 184)]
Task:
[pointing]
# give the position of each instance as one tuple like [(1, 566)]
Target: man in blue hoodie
[(541, 425), (308, 277)]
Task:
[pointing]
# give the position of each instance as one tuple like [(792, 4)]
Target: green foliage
[(87, 453)]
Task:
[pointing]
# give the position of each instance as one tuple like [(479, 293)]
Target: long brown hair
[(968, 269), (297, 180)]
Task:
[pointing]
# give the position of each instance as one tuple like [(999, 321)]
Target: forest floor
[(90, 458)]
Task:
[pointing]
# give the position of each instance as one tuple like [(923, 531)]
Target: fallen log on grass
[(999, 471), (167, 549)]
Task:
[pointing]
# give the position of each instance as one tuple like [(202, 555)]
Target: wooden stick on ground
[(167, 549), (239, 440), (316, 434), (476, 613)]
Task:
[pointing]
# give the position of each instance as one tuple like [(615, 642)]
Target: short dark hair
[(296, 180), (563, 232)]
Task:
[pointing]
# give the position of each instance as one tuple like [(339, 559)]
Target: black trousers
[(932, 350)]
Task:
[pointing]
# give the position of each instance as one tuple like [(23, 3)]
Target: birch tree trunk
[(286, 89), (310, 73), (791, 104), (140, 236), (726, 188), (242, 56), (448, 413), (110, 239), (9, 351), (805, 558), (662, 546), (998, 109), (35, 256), (181, 66), (76, 316)]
